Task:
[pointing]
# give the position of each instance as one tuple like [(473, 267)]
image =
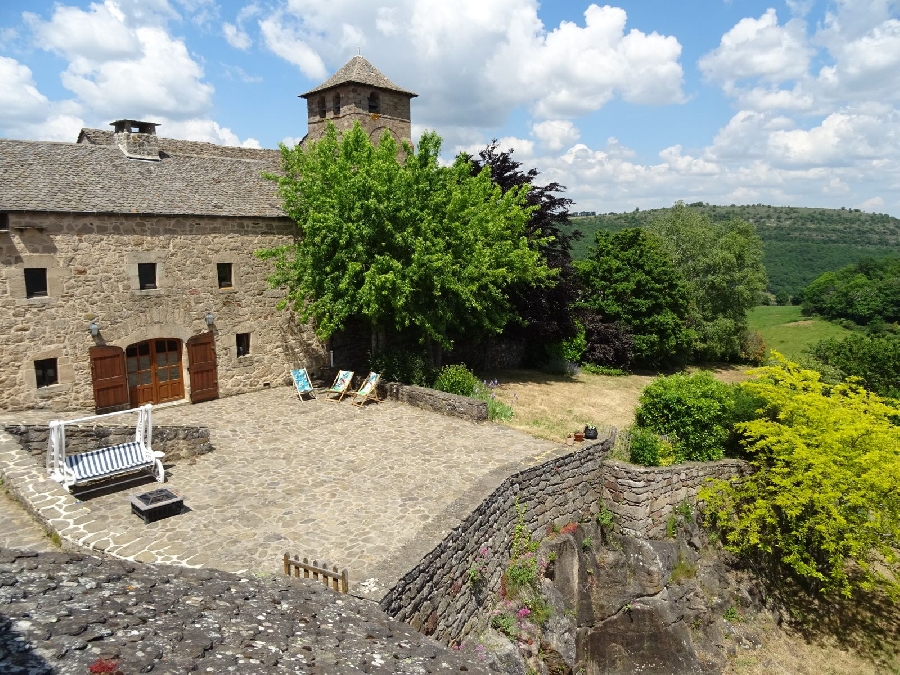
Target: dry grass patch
[(552, 406)]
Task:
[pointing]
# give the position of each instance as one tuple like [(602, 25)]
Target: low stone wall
[(436, 597), (437, 401), (178, 443), (642, 498)]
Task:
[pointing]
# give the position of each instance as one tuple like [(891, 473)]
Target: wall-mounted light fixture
[(94, 329), (210, 319)]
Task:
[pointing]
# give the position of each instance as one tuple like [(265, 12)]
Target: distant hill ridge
[(799, 243)]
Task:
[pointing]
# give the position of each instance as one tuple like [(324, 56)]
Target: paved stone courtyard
[(372, 489)]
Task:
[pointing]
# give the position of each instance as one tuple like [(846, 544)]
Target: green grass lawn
[(789, 333)]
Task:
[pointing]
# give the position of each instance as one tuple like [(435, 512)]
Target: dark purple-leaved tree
[(545, 311)]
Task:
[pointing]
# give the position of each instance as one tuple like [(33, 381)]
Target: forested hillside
[(799, 243)]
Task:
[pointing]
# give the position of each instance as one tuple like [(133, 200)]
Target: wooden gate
[(202, 368), (109, 379)]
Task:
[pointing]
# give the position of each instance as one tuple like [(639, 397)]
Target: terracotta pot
[(579, 436)]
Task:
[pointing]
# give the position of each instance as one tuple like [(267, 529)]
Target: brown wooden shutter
[(202, 368), (109, 379)]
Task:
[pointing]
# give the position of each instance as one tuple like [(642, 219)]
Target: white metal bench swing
[(115, 460)]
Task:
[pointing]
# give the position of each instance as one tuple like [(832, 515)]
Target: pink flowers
[(523, 613)]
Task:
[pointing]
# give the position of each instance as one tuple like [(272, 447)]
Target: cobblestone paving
[(327, 480), (19, 530)]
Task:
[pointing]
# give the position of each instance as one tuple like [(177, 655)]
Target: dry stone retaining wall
[(437, 596), (178, 443), (642, 498)]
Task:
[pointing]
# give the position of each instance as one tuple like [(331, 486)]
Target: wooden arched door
[(154, 371)]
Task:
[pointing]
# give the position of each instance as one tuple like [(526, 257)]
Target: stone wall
[(464, 407), (91, 262), (394, 115), (436, 596), (178, 443), (642, 498)]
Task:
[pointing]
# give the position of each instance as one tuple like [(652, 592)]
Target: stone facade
[(436, 596), (92, 275), (353, 106)]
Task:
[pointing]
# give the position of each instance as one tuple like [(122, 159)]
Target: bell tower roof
[(359, 71)]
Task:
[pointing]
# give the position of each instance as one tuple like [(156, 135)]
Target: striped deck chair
[(341, 385), (368, 391), (302, 383)]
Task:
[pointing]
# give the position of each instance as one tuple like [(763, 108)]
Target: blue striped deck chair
[(302, 383), (341, 385), (368, 391)]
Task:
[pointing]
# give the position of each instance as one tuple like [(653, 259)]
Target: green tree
[(390, 236), (823, 500), (722, 262), (628, 277), (695, 411)]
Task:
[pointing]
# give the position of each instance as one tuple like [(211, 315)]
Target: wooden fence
[(338, 580)]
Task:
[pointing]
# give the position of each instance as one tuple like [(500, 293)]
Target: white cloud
[(20, 99), (555, 134), (760, 48), (236, 37), (283, 40), (872, 204), (162, 80), (93, 36), (205, 130)]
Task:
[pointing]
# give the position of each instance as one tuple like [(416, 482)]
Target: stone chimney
[(137, 139)]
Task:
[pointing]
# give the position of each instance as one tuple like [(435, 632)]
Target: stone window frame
[(231, 275), (134, 258), (147, 276), (36, 282), (16, 279), (322, 106), (336, 104), (65, 372), (243, 344), (46, 369)]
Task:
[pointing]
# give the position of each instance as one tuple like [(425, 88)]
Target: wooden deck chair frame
[(368, 391), (302, 383), (341, 385)]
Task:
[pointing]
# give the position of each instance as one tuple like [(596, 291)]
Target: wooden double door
[(151, 372)]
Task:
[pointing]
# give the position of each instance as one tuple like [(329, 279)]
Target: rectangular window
[(4, 222), (146, 275), (224, 272), (35, 282), (242, 341), (45, 372)]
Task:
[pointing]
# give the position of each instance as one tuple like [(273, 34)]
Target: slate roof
[(191, 178), (360, 71), (174, 146)]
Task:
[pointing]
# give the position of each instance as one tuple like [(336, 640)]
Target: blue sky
[(633, 104)]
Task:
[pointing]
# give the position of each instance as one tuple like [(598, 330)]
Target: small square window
[(224, 272), (35, 282), (45, 372), (242, 341), (146, 275)]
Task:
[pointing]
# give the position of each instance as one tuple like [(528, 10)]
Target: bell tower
[(359, 92)]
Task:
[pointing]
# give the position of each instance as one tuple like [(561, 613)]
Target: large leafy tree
[(823, 501), (722, 263), (544, 313), (628, 278), (391, 237)]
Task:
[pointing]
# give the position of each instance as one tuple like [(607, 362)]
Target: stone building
[(127, 267), (358, 92)]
